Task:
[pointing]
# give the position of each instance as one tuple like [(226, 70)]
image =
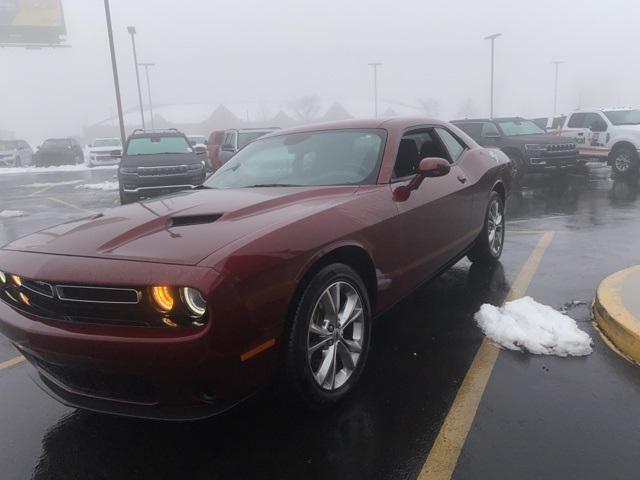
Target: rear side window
[(577, 120), (452, 144), (489, 129), (474, 130), (158, 145)]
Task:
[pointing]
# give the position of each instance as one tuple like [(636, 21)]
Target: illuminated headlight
[(536, 148), (194, 301), (162, 298), (3, 278)]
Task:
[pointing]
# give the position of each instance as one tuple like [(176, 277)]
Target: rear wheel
[(489, 244), (624, 161), (328, 341)]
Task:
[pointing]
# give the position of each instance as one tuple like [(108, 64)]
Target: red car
[(213, 148), (179, 307)]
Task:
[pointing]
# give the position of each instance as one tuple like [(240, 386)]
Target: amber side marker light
[(163, 298), (17, 280), (24, 298), (3, 278)]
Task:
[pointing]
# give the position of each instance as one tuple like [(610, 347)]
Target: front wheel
[(328, 340), (489, 244), (624, 161)]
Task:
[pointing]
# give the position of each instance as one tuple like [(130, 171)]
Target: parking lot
[(531, 417)]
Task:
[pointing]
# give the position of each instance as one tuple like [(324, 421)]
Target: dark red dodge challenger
[(274, 269)]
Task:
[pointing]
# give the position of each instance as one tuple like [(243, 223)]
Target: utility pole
[(555, 90), (146, 70), (116, 81), (375, 66), (132, 31), (493, 39)]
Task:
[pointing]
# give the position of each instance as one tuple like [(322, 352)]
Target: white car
[(104, 151), (198, 141), (15, 153), (610, 134)]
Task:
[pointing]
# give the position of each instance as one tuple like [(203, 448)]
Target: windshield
[(624, 117), (8, 145), (158, 145), (56, 143), (246, 138), (340, 157), (106, 142), (512, 128)]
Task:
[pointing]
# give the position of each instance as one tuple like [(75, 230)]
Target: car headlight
[(163, 298), (3, 277), (194, 301), (536, 148), (17, 280)]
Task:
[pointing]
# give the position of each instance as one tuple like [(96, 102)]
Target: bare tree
[(305, 108), (430, 106)]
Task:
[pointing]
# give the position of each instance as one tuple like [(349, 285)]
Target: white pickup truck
[(606, 133)]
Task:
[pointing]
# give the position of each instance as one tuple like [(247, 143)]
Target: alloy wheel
[(336, 335), (495, 228), (623, 162)]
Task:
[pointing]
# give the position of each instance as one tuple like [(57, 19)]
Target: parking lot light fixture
[(375, 66), (132, 31), (555, 89), (493, 39)]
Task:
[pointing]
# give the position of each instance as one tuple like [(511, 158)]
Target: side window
[(490, 130), (577, 120), (474, 130), (415, 146), (228, 138), (592, 118), (451, 143)]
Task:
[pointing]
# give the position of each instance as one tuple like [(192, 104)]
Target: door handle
[(581, 134), (462, 179)]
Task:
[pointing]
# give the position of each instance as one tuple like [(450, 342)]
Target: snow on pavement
[(525, 324), (12, 213), (50, 184), (57, 169), (105, 186)]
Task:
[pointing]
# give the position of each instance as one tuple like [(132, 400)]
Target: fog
[(257, 56)]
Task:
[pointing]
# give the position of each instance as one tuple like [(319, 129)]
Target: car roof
[(496, 119)]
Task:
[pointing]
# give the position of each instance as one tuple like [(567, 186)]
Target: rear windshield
[(158, 145), (54, 142)]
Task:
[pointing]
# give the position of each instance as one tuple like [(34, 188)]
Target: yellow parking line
[(62, 202), (445, 452), (12, 362)]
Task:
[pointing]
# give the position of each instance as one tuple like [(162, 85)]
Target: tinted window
[(592, 118), (339, 157), (415, 146), (474, 130), (577, 120), (158, 145), (512, 128), (452, 144), (106, 142), (489, 129)]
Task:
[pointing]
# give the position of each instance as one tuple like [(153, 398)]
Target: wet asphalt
[(540, 417)]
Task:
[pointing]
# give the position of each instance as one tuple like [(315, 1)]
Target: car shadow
[(421, 351)]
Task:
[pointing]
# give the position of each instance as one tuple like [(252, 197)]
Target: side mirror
[(228, 147), (598, 126), (430, 167)]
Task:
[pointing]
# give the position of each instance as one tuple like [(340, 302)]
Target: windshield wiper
[(272, 185)]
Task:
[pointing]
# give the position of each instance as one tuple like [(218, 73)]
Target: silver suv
[(15, 153)]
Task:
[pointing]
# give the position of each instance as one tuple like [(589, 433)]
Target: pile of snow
[(527, 325), (105, 186), (12, 213), (56, 169)]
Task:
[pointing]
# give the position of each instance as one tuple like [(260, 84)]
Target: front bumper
[(150, 186), (545, 162), (98, 160), (172, 374)]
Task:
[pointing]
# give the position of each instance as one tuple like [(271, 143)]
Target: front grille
[(163, 171), (95, 383), (73, 293), (562, 147)]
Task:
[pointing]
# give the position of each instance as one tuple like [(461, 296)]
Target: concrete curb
[(615, 319)]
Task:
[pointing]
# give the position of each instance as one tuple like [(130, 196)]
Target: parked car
[(159, 162), (213, 149), (105, 151), (529, 147), (198, 140), (236, 139), (15, 153), (274, 269), (59, 151), (608, 134), (550, 124)]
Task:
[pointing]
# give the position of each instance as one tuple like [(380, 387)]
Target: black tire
[(624, 161), (297, 381), (484, 249), (517, 165), (126, 198)]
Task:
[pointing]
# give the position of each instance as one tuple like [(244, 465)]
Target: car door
[(597, 142), (434, 217), (576, 129)]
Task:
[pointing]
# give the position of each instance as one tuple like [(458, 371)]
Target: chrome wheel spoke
[(347, 360), (326, 367), (320, 344), (318, 330)]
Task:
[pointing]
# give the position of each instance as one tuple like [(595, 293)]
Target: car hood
[(540, 139), (182, 229)]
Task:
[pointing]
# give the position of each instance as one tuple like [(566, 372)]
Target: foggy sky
[(273, 51)]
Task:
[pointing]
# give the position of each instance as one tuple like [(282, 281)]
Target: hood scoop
[(187, 220)]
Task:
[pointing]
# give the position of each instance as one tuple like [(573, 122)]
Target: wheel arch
[(500, 189)]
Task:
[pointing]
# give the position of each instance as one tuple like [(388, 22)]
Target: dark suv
[(236, 139), (59, 151), (159, 162), (528, 146)]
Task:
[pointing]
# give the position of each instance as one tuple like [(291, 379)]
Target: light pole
[(146, 71), (493, 39), (132, 31), (375, 66), (116, 81), (555, 90)]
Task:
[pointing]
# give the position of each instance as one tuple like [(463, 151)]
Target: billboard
[(31, 21)]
